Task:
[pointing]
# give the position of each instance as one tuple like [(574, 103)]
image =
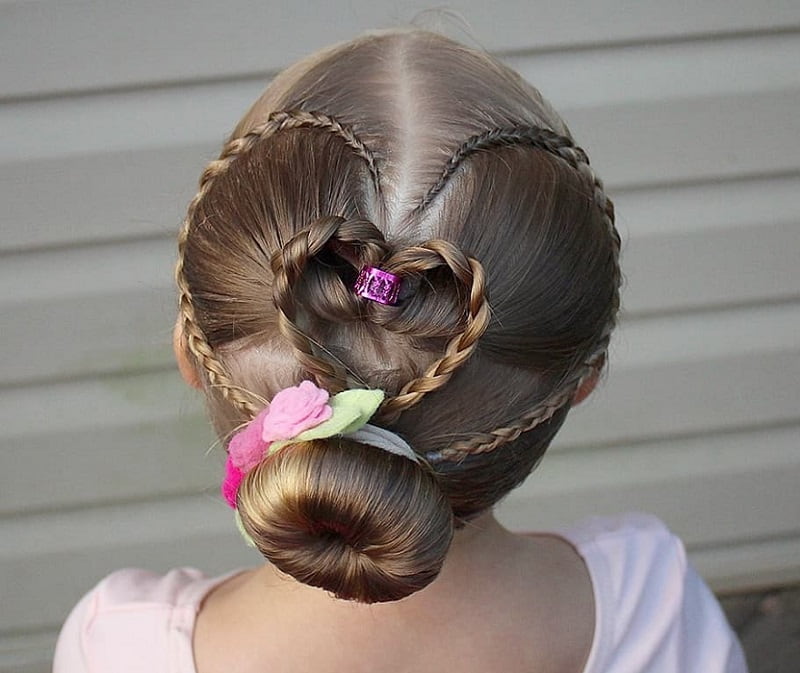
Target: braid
[(288, 265), (468, 272), (535, 136), (564, 148), (489, 441), (195, 339)]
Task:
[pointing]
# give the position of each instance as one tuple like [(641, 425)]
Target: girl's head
[(411, 153)]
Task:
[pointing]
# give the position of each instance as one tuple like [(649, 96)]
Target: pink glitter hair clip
[(378, 285)]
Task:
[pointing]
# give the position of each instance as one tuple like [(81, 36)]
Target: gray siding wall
[(109, 110)]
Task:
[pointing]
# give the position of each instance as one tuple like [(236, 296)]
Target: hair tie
[(381, 438), (303, 413)]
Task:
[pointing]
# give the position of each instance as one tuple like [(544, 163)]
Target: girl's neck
[(480, 547), (494, 584)]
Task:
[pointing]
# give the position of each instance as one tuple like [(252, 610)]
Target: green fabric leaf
[(248, 540), (352, 409)]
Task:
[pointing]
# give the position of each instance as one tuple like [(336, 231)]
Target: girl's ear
[(185, 365), (589, 383)]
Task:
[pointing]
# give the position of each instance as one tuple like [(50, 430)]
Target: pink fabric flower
[(246, 448), (294, 410), (231, 482), (291, 411)]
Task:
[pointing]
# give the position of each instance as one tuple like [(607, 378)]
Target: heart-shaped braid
[(488, 441), (534, 136), (564, 148), (469, 273), (366, 242), (289, 263), (196, 341)]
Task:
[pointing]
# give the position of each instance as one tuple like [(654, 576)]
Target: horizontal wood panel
[(88, 310), (77, 126), (748, 566), (676, 480), (109, 308), (104, 465), (143, 435), (735, 266), (662, 71), (696, 337), (101, 197), (728, 204), (89, 46), (27, 653), (717, 137), (689, 397), (88, 271), (589, 78), (115, 438), (84, 546), (114, 333), (104, 402), (711, 489), (142, 192)]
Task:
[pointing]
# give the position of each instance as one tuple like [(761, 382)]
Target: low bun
[(362, 523)]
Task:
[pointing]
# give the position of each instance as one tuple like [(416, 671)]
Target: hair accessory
[(378, 285), (384, 439), (302, 413)]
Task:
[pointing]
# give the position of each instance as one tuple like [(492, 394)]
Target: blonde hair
[(433, 161)]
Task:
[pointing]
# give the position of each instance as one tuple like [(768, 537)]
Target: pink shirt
[(653, 613)]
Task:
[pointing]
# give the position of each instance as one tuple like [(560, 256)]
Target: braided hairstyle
[(411, 153)]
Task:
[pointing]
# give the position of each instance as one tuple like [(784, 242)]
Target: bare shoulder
[(528, 602), (219, 640), (550, 591)]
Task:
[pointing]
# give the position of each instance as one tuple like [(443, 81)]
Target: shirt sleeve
[(106, 629), (70, 656), (710, 643), (655, 613)]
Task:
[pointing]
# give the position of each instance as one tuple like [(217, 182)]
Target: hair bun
[(362, 523)]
